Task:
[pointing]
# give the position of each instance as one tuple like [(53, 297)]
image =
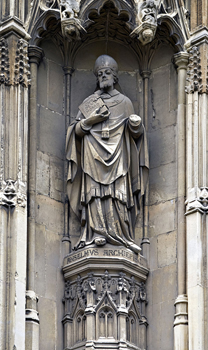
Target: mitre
[(105, 61)]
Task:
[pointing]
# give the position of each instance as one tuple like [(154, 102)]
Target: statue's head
[(106, 71)]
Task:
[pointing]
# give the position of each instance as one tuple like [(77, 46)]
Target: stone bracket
[(72, 28), (198, 204), (12, 194)]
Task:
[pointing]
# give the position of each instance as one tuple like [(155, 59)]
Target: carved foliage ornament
[(21, 72), (194, 72), (22, 67), (4, 62), (12, 194)]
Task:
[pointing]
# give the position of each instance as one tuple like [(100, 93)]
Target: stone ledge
[(108, 257)]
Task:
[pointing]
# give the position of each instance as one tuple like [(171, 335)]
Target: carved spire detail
[(194, 72)]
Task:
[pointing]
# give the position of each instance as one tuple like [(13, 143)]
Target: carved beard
[(104, 85)]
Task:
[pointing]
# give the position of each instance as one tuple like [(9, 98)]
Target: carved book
[(92, 104)]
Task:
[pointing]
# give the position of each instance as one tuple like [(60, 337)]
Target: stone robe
[(107, 176)]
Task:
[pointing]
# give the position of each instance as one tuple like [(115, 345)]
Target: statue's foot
[(135, 248), (99, 241), (80, 245)]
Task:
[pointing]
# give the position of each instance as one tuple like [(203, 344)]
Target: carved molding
[(47, 4), (181, 60), (198, 204), (103, 301), (181, 315), (35, 54), (12, 194), (31, 314), (140, 21), (179, 14), (117, 292), (4, 62), (194, 72)]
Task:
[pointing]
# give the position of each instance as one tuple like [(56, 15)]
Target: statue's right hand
[(97, 117)]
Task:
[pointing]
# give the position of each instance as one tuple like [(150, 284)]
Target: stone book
[(92, 104)]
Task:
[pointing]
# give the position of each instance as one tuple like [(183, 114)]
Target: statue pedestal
[(105, 299)]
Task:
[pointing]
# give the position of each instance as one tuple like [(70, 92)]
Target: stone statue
[(148, 12), (147, 20), (69, 8), (108, 163)]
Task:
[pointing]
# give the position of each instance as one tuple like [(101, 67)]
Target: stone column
[(181, 303), (122, 314), (145, 240), (32, 319), (197, 189), (15, 79), (67, 108)]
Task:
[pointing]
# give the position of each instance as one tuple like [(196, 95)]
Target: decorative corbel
[(147, 21), (12, 194), (70, 23), (198, 204)]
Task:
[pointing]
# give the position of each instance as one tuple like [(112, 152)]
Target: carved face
[(147, 35), (105, 78)]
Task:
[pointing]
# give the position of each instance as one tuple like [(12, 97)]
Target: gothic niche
[(106, 148)]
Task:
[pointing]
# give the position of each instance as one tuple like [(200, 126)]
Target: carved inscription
[(103, 253), (80, 255)]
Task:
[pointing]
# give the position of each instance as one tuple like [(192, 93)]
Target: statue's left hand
[(135, 120)]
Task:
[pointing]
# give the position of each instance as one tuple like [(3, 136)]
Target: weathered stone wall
[(162, 280), (49, 284)]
